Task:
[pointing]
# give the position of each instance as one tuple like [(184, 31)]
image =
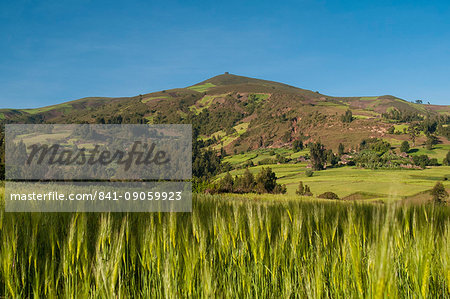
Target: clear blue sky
[(59, 50)]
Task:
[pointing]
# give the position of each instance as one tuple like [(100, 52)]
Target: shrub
[(341, 149), (309, 173), (404, 148), (297, 146), (431, 140), (446, 160), (303, 190), (318, 155), (266, 180), (328, 195), (438, 192), (347, 117), (422, 161)]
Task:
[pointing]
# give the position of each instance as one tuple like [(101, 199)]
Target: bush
[(341, 149), (431, 141), (404, 148), (446, 160), (328, 195), (309, 173), (297, 146), (422, 161), (438, 192), (377, 145), (266, 181), (303, 190), (347, 117)]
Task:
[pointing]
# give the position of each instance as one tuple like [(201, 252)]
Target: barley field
[(230, 248)]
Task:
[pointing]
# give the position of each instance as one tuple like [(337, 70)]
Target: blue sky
[(57, 50)]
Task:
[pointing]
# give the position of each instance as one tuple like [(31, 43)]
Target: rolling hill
[(242, 114)]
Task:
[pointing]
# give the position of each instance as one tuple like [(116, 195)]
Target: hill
[(243, 114)]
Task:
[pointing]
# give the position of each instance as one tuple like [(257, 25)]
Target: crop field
[(230, 246), (384, 184)]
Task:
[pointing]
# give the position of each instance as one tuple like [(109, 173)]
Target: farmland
[(344, 181), (230, 246)]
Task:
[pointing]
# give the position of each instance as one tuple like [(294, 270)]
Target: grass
[(230, 247), (153, 98), (439, 151), (241, 128), (225, 139), (65, 106), (202, 88), (149, 119), (260, 96), (344, 181), (368, 98), (205, 103), (400, 128)]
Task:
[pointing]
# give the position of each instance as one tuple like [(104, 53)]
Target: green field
[(368, 98), (344, 181), (204, 103), (439, 151), (65, 107), (202, 88), (230, 247)]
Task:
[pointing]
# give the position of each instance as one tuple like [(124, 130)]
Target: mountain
[(241, 114)]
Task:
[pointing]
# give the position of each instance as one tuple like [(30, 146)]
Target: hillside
[(242, 114)]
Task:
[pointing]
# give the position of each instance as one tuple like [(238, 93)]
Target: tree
[(439, 193), (297, 146), (247, 181), (446, 160), (347, 117), (404, 148), (413, 131), (341, 149), (309, 173), (266, 180), (307, 191), (318, 155), (331, 158), (301, 189), (421, 160), (431, 140), (391, 130), (226, 184)]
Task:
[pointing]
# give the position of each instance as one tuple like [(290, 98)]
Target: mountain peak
[(230, 79)]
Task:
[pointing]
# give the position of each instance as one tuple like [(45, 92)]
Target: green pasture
[(344, 181), (368, 98), (67, 107), (439, 151), (202, 88), (205, 102)]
